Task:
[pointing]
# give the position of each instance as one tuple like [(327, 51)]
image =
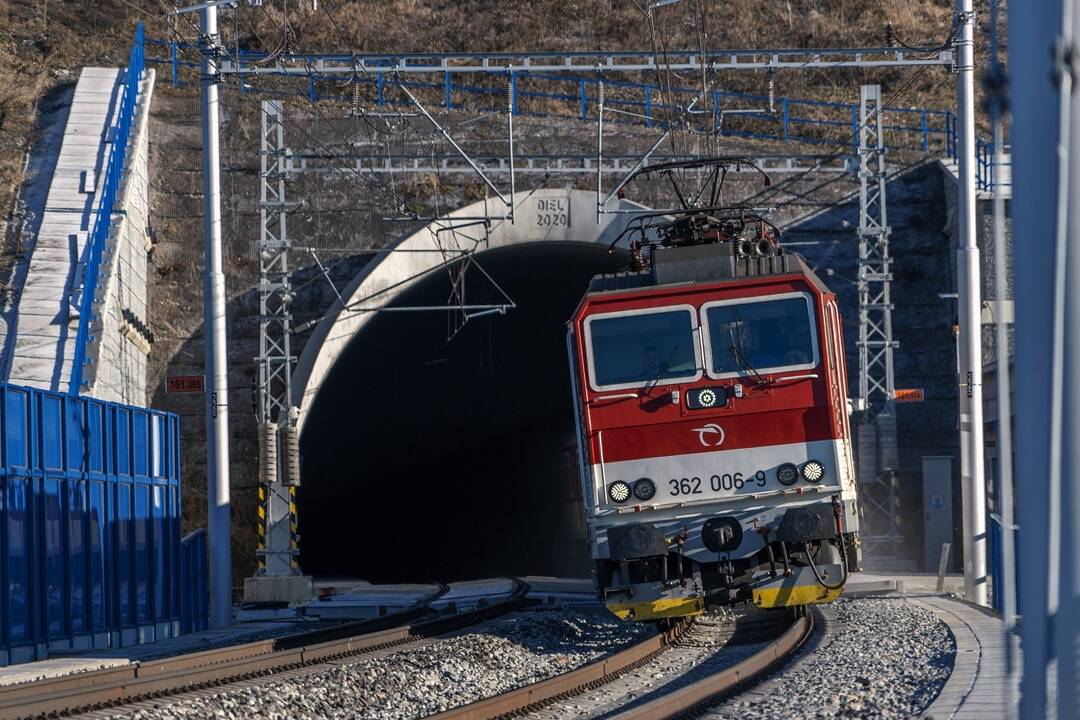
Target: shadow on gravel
[(561, 630)]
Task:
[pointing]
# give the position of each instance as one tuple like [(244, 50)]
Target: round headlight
[(644, 489), (707, 397), (813, 471), (787, 474), (618, 491)]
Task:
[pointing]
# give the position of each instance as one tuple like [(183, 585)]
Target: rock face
[(923, 270), (340, 216)]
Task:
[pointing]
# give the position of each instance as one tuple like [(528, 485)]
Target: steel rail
[(97, 689), (569, 683), (535, 696), (686, 699)]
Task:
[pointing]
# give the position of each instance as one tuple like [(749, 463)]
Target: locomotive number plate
[(716, 484)]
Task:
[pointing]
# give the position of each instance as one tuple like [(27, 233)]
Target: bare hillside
[(43, 43)]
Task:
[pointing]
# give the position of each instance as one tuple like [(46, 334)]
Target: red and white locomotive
[(714, 445)]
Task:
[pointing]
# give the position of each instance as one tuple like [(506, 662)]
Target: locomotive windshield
[(753, 337), (630, 349)]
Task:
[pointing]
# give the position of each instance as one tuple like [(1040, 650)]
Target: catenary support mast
[(877, 389), (279, 464), (972, 476), (217, 407)]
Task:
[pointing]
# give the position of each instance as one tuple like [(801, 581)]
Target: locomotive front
[(714, 446)]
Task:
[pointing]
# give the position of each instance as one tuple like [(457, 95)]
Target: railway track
[(95, 690), (778, 640)]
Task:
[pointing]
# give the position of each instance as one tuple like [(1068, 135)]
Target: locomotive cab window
[(638, 348), (770, 334)]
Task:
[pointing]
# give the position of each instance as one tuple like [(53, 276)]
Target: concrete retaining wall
[(118, 372)]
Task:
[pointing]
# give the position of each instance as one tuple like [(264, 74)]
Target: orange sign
[(909, 395), (185, 384)]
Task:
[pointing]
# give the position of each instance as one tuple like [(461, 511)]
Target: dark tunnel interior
[(427, 459)]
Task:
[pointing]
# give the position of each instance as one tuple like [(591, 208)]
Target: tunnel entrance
[(425, 458)]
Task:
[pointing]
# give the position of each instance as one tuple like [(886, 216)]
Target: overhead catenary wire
[(447, 262), (658, 37)]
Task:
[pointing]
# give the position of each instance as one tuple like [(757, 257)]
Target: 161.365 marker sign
[(909, 395), (185, 384)]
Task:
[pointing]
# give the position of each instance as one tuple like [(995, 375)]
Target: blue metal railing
[(792, 119), (195, 588), (121, 133), (988, 175)]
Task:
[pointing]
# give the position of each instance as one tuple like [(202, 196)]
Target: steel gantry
[(568, 164), (248, 64), (877, 390), (278, 469)]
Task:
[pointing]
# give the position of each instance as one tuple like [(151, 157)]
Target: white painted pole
[(217, 410), (971, 410)]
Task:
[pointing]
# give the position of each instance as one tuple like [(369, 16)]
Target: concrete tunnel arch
[(432, 459)]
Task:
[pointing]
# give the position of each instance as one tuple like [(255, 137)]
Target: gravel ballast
[(706, 648), (415, 682), (881, 658)]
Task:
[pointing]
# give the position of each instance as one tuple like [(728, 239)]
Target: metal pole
[(511, 108), (217, 410), (1067, 640), (599, 146), (971, 410), (1040, 118), (1007, 565)]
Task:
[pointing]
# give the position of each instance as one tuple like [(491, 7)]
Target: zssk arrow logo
[(711, 435)]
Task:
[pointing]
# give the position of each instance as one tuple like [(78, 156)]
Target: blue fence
[(988, 174), (997, 575), (106, 200), (791, 119), (195, 588), (90, 521)]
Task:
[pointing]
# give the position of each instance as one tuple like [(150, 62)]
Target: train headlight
[(644, 489), (787, 474), (618, 491), (707, 397), (813, 471)]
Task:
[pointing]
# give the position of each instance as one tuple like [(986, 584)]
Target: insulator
[(772, 92), (268, 456), (510, 93), (292, 456), (600, 92), (356, 98)]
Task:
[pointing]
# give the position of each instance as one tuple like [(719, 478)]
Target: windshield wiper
[(739, 354), (647, 390), (744, 362)]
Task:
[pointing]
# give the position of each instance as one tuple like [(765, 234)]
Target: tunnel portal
[(428, 458)]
